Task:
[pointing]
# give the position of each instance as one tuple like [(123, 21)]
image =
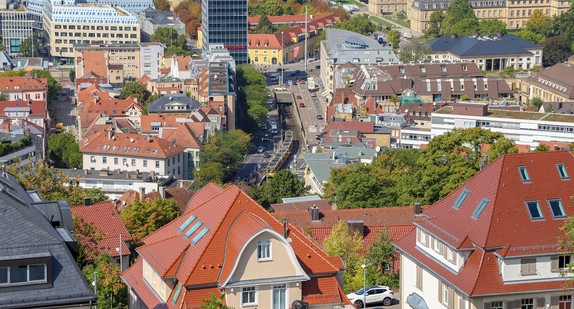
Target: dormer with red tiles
[(492, 243), (226, 243)]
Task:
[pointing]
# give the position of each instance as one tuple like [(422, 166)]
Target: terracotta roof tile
[(125, 144), (36, 107), (95, 61), (105, 216), (303, 206), (23, 83)]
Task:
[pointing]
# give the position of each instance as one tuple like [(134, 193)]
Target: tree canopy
[(264, 26), (189, 12), (29, 47), (88, 237), (348, 245), (556, 50), (284, 184), (252, 97), (144, 218), (415, 50), (64, 151), (359, 24), (220, 157), (112, 292)]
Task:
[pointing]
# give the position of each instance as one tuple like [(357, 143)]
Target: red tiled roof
[(95, 61), (303, 206), (363, 127), (36, 107), (149, 146), (144, 79), (204, 263), (182, 62), (203, 195), (134, 278), (105, 216), (182, 135), (504, 223), (180, 195), (23, 84)]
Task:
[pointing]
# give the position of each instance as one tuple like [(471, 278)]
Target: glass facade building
[(225, 21)]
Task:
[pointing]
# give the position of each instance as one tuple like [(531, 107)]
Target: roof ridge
[(498, 189)]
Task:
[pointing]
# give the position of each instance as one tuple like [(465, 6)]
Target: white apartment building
[(132, 153), (525, 128), (492, 243)]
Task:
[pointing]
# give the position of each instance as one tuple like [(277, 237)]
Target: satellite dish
[(378, 148)]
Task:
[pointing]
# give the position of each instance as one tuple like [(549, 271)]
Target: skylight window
[(534, 210), (193, 229), (557, 209), (524, 174), (116, 147), (562, 172), (186, 223), (200, 235), (461, 198), (480, 208)]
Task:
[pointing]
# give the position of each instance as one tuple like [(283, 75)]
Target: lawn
[(382, 22), (399, 21), (357, 3)]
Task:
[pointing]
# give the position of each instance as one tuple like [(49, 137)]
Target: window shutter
[(540, 302), (532, 267), (432, 243), (419, 278), (528, 266), (419, 235), (554, 302), (487, 305), (554, 264), (440, 292), (450, 298), (443, 250)]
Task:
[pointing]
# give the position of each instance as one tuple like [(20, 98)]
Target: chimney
[(418, 209), (162, 192), (315, 216), (142, 194), (454, 36), (285, 234), (110, 134), (87, 201), (86, 172)]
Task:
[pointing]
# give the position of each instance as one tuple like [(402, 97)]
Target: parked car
[(318, 67), (375, 294), (319, 116), (301, 104), (318, 136), (280, 89), (264, 126), (260, 149), (266, 154), (298, 97)]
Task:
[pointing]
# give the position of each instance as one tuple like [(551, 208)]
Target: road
[(310, 113), (64, 110)]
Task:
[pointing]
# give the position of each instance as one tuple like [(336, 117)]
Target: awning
[(416, 301)]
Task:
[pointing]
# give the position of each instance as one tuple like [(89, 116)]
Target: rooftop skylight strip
[(193, 229), (200, 235), (186, 223)]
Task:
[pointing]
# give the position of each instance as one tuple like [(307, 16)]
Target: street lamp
[(364, 267)]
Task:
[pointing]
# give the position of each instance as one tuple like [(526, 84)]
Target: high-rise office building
[(225, 22)]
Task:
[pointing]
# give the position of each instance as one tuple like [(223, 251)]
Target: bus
[(281, 156)]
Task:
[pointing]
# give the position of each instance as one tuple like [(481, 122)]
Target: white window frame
[(260, 245), (436, 246), (445, 294), (497, 305), (255, 294)]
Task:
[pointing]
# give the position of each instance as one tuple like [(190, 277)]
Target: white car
[(375, 294), (260, 149), (280, 89)]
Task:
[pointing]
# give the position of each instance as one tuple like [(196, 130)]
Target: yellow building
[(67, 25), (513, 13), (377, 7)]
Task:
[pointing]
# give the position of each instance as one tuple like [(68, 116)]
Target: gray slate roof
[(507, 44), (160, 105), (26, 232)]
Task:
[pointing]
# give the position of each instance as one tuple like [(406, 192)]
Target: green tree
[(359, 24), (395, 39), (29, 47), (52, 185), (225, 151), (556, 50), (4, 97), (466, 26), (112, 293), (540, 24), (264, 26), (64, 151), (381, 252), (162, 5), (284, 184), (435, 22), (144, 218), (564, 24), (88, 237), (136, 90), (2, 47), (169, 37), (491, 26), (214, 302), (458, 12), (342, 242), (415, 50), (530, 36), (536, 102), (542, 147), (252, 96), (72, 75)]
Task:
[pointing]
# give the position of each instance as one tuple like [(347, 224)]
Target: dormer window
[(534, 210), (556, 208), (264, 250), (562, 172), (524, 174), (480, 208)]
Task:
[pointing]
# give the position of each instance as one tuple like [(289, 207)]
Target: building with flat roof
[(489, 52), (217, 88), (67, 23), (525, 128), (342, 47), (17, 25), (225, 22)]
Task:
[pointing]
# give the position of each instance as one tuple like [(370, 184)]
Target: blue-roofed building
[(489, 52)]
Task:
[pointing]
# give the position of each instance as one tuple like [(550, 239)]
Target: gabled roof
[(23, 83), (206, 256), (504, 227), (183, 136), (363, 127), (35, 108), (129, 144), (95, 61), (105, 216)]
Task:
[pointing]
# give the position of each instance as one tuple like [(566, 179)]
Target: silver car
[(375, 294)]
